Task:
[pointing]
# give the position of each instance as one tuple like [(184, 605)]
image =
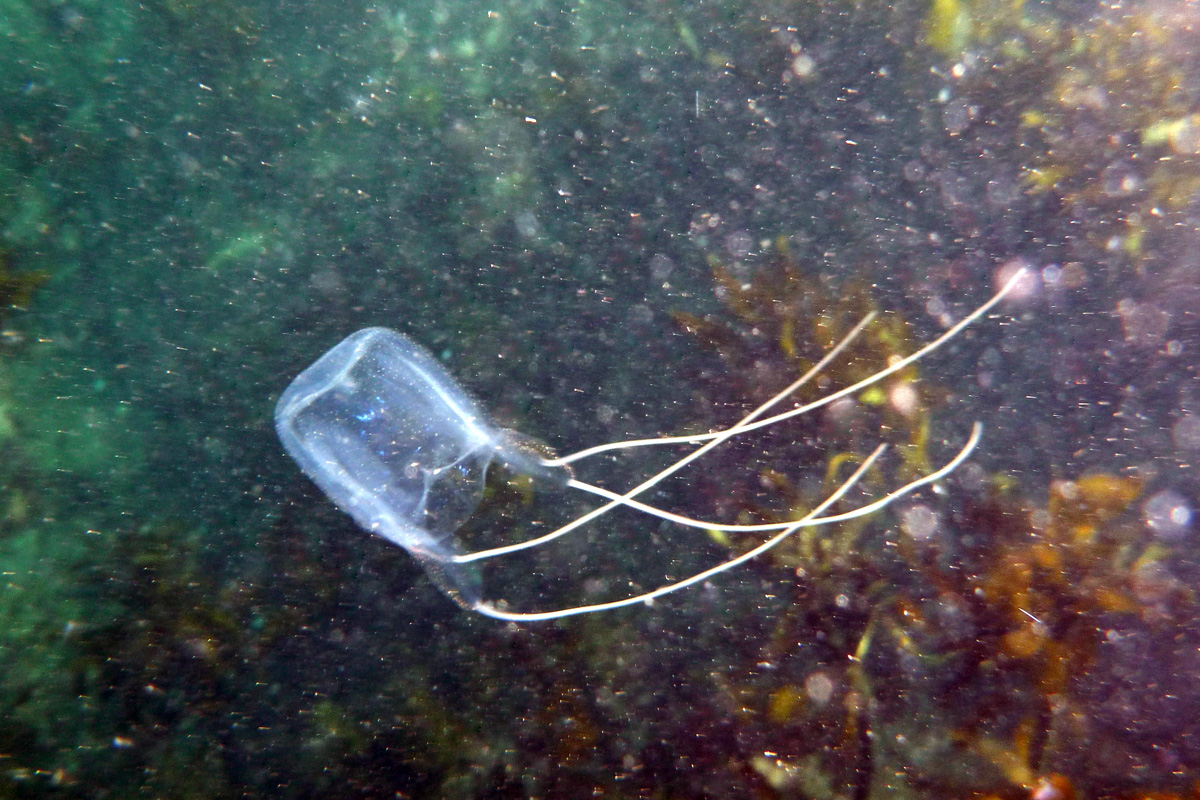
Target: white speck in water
[(904, 399), (803, 66), (919, 521), (1168, 515), (819, 688)]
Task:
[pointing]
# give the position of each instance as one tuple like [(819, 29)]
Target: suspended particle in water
[(819, 688), (1168, 515), (919, 521)]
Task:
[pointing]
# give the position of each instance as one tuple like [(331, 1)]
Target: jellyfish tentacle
[(811, 518), (749, 423), (659, 477), (868, 508), (752, 422), (716, 437), (491, 610)]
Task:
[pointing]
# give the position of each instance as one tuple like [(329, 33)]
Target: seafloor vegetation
[(609, 219)]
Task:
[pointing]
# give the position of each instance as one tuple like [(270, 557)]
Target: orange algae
[(1031, 589)]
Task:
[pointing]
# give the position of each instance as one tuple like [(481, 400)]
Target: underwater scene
[(600, 398)]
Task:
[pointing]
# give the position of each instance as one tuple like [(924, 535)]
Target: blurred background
[(607, 220)]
